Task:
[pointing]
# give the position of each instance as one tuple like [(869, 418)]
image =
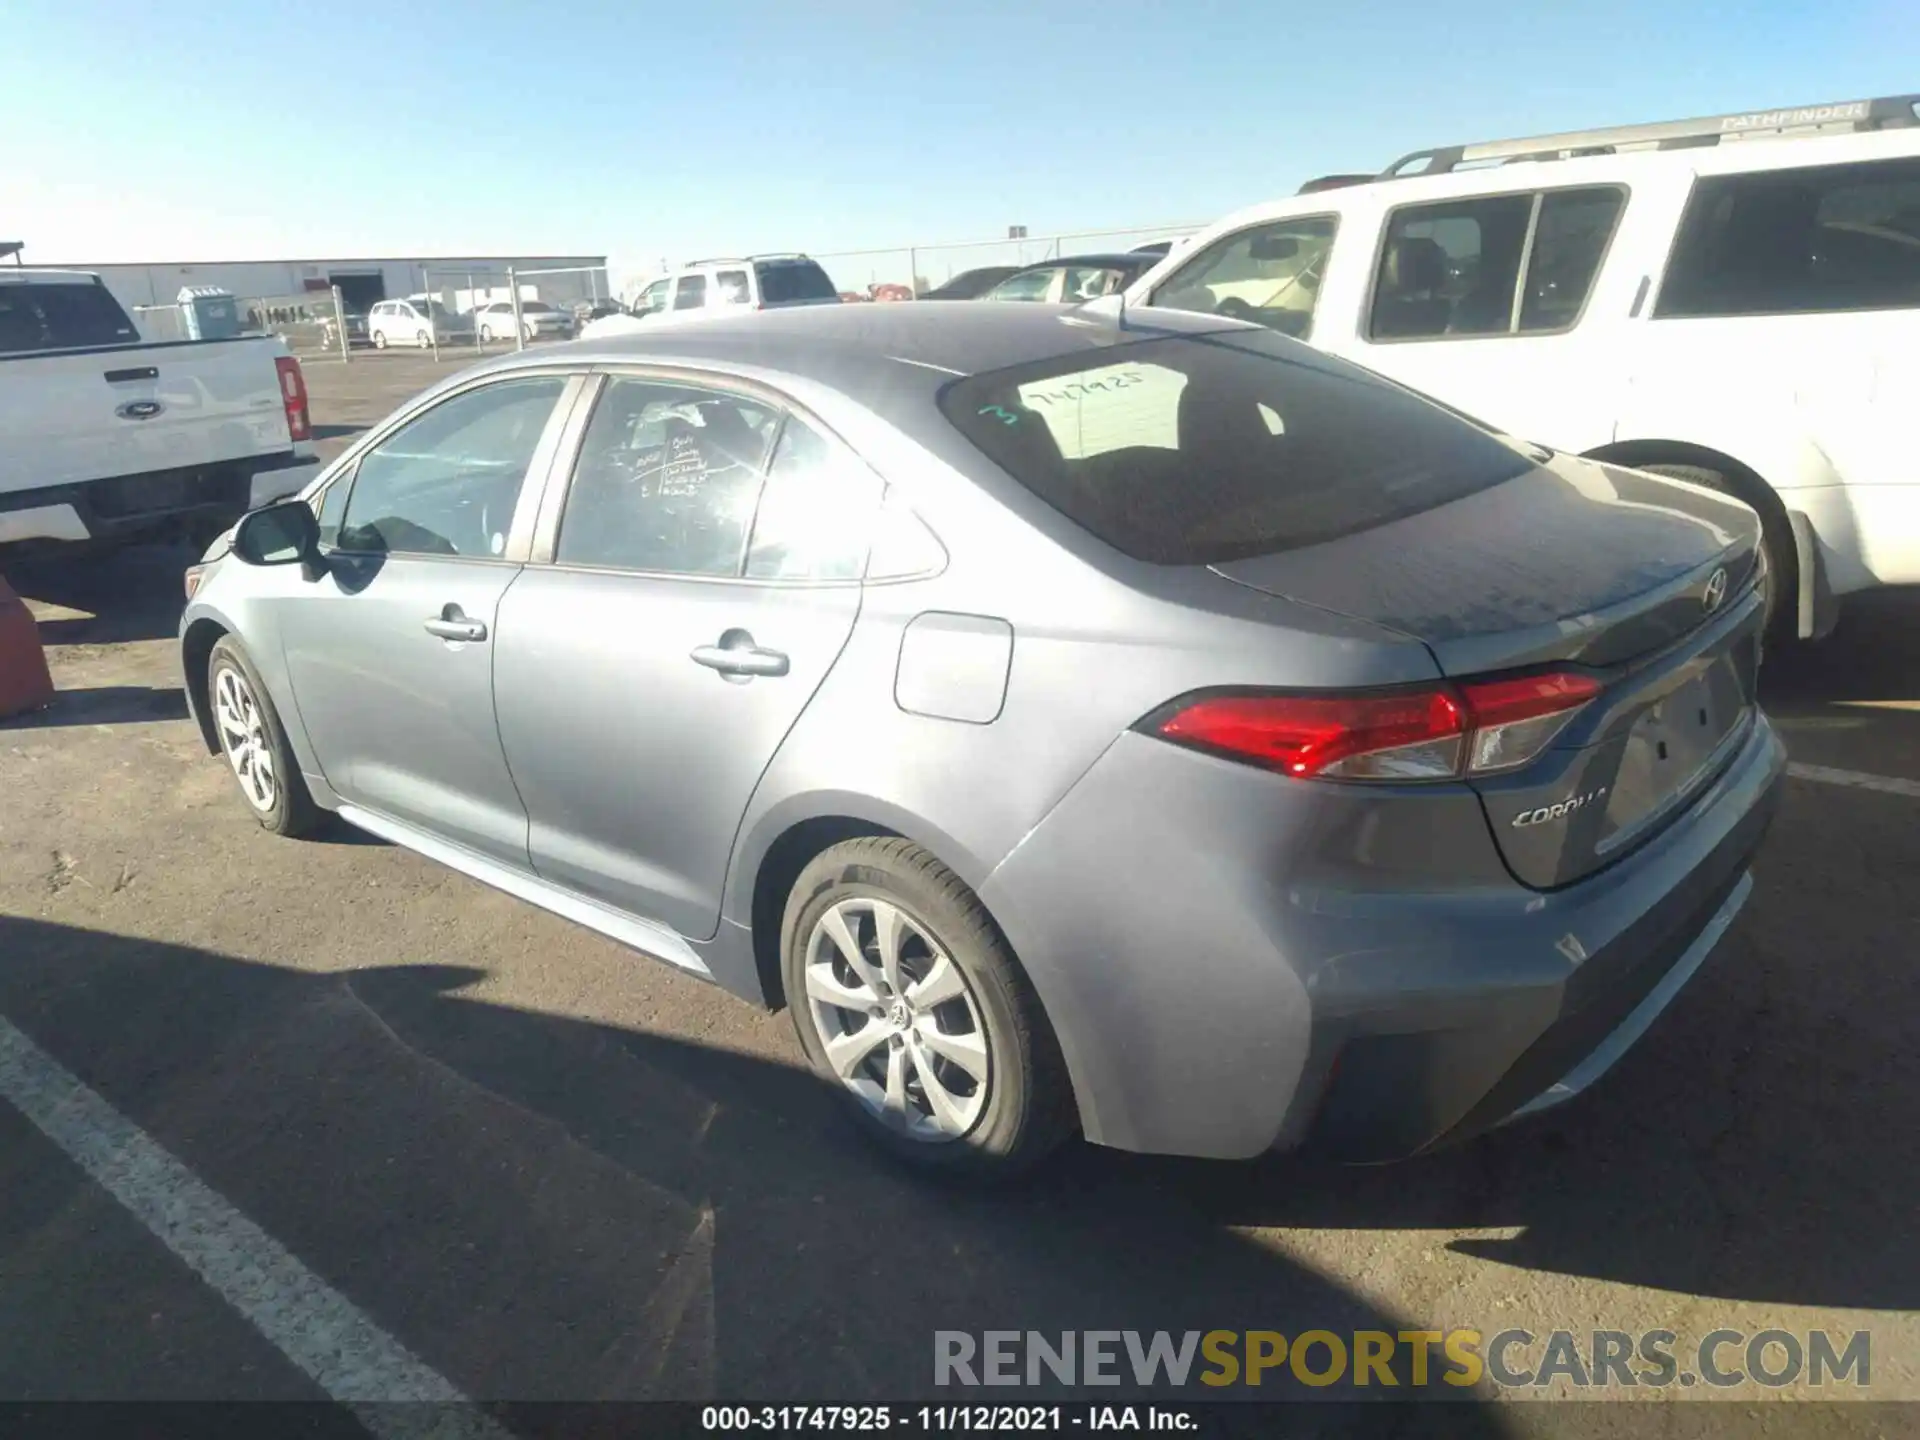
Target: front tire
[(911, 1007), (423, 340), (379, 339), (1776, 535), (255, 743)]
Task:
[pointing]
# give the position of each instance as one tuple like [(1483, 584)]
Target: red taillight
[(1429, 734), (293, 393)]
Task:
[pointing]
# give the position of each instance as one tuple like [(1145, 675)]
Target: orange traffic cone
[(24, 681)]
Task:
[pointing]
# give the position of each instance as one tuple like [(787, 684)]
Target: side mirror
[(1273, 247), (286, 533)]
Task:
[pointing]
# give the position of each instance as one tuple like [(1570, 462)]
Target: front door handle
[(452, 624), (737, 658)]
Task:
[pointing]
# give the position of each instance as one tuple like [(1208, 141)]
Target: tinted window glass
[(1835, 237), (1270, 273), (1569, 240), (1205, 449), (784, 281), (1450, 268), (816, 511), (692, 293), (667, 480), (61, 317), (447, 482)]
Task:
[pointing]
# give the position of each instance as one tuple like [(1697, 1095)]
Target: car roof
[(846, 347)]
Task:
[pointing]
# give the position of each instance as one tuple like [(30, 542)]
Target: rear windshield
[(61, 317), (1204, 449), (785, 280)]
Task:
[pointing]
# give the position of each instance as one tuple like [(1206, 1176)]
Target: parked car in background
[(1310, 825), (971, 284), (1072, 280), (538, 321), (354, 323), (888, 293), (710, 288), (108, 440), (417, 321), (587, 311), (1731, 301)]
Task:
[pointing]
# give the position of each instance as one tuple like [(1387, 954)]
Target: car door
[(390, 652), (661, 644)]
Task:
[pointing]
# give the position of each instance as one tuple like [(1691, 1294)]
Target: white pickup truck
[(105, 439)]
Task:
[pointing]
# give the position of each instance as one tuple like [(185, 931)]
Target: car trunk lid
[(1644, 583)]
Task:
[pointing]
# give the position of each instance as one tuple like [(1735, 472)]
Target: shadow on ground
[(547, 1209)]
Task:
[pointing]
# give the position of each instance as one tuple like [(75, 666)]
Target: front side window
[(1795, 242), (816, 511), (1090, 282), (447, 482), (667, 480), (1269, 273), (1027, 285), (692, 293), (654, 297), (333, 504), (1210, 448)]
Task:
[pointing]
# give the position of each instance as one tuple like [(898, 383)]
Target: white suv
[(714, 287), (1735, 301)]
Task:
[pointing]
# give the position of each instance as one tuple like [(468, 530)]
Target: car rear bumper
[(1235, 962)]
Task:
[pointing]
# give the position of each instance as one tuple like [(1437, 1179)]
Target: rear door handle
[(452, 624), (737, 657)]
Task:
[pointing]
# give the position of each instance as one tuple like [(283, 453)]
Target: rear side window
[(784, 281), (1456, 268), (1791, 242), (732, 285), (1199, 450), (61, 317)]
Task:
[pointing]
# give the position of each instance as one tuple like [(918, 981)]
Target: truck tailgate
[(79, 415)]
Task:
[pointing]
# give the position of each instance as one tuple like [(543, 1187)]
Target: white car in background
[(1733, 301), (719, 287), (416, 321), (538, 321)]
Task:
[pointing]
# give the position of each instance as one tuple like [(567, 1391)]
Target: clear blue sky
[(217, 130)]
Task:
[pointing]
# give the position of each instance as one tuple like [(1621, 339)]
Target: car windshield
[(1203, 449), (535, 307)]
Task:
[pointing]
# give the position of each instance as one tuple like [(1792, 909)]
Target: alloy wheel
[(898, 1020), (243, 736)]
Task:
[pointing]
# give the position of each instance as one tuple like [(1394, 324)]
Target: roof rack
[(1334, 182), (746, 259), (1891, 113)]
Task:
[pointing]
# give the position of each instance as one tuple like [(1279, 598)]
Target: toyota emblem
[(1716, 590)]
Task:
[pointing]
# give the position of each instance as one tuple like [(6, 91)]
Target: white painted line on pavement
[(1885, 784), (316, 1327)]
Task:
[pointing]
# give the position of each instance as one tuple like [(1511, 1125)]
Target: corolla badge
[(1716, 590), (1556, 812), (139, 410)]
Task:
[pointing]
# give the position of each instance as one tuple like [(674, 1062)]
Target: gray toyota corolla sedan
[(1161, 730)]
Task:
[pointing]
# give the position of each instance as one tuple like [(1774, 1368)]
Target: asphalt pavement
[(385, 1128)]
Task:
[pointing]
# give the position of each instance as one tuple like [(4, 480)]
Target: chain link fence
[(313, 324)]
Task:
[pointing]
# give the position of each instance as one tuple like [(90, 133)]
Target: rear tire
[(953, 1070), (1783, 569), (254, 743)]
